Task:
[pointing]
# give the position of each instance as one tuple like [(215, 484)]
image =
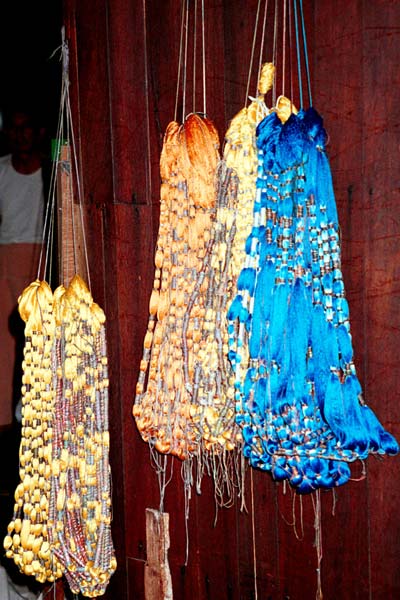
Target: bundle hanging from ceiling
[(62, 514), (298, 397), (184, 401)]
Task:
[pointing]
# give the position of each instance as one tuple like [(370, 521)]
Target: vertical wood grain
[(126, 63)]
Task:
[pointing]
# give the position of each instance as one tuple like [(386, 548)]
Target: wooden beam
[(157, 576), (70, 227)]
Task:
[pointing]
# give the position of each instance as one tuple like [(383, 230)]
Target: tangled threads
[(71, 533), (299, 402), (187, 207), (211, 385)]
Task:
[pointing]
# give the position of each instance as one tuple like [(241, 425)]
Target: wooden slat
[(157, 576), (334, 70), (381, 117), (71, 245)]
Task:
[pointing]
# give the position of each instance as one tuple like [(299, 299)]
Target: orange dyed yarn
[(162, 405)]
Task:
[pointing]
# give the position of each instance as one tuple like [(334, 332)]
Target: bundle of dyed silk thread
[(62, 514), (300, 403), (80, 497), (240, 154), (163, 400), (212, 409), (27, 540), (212, 385)]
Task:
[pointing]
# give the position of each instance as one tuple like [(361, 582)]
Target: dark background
[(29, 76)]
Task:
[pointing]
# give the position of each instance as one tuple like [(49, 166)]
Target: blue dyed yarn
[(300, 402)]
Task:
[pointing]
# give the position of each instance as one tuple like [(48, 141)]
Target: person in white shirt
[(21, 230)]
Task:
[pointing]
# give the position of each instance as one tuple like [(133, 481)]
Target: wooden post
[(71, 254), (157, 576)]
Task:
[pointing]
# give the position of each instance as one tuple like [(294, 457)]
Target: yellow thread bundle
[(240, 154), (266, 80), (27, 541), (62, 515), (81, 519), (284, 108)]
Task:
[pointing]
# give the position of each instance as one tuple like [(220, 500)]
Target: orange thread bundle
[(162, 404)]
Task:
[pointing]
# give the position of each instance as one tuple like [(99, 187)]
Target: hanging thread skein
[(299, 403), (62, 515), (162, 405)]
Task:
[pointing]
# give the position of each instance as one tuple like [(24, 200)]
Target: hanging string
[(298, 51), (161, 464), (334, 500), (65, 132), (49, 215), (298, 533), (203, 27), (79, 192), (260, 61), (59, 164), (194, 55), (275, 48), (183, 57), (70, 208), (303, 27), (284, 47), (290, 52), (179, 61), (185, 61), (318, 540), (187, 478), (252, 52)]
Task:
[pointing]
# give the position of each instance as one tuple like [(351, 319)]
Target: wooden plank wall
[(124, 66), (357, 83)]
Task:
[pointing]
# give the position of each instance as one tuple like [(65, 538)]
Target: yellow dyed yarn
[(62, 512), (240, 154), (27, 542), (80, 522), (284, 108)]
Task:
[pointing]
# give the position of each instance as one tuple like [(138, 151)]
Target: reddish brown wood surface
[(124, 58)]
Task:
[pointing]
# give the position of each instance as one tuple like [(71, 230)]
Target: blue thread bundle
[(299, 402)]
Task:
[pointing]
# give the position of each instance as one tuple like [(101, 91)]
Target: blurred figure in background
[(21, 230)]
